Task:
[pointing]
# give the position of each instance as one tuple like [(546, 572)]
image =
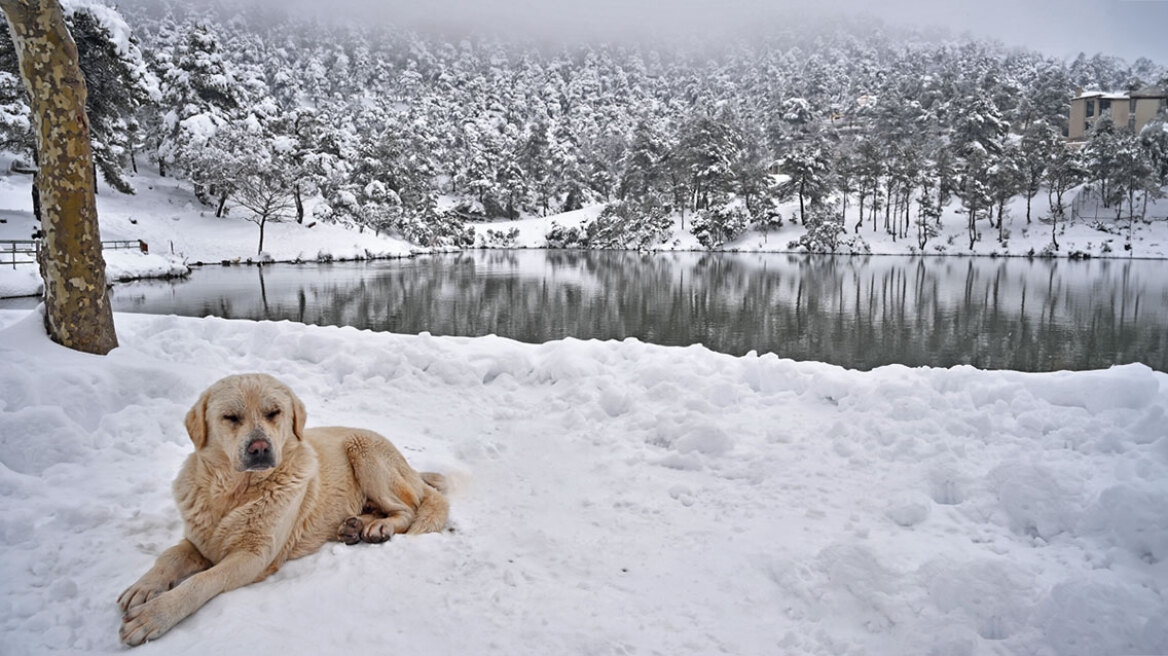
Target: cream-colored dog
[(260, 489)]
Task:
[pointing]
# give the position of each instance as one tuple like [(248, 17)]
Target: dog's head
[(249, 419)]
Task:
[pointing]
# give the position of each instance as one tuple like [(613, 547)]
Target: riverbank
[(609, 497), (180, 232)]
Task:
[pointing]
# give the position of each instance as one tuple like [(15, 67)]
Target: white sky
[(1127, 28)]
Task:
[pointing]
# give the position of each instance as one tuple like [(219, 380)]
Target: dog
[(260, 489)]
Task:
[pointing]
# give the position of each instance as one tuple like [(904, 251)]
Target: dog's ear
[(196, 421), (299, 415)]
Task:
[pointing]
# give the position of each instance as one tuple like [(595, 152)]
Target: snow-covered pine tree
[(978, 139), (807, 167)]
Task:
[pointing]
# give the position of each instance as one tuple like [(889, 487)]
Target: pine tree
[(806, 167), (1064, 172), (978, 138), (201, 95), (118, 84), (1038, 145), (1099, 156)]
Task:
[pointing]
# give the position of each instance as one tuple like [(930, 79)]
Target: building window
[(1090, 108), (1104, 106)]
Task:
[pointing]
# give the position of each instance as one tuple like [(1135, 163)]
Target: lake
[(1005, 313)]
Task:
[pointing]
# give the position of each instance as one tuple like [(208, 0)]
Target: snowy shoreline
[(181, 233), (610, 497), (24, 281)]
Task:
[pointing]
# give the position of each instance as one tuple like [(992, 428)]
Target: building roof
[(1146, 92), (1105, 96), (1150, 92)]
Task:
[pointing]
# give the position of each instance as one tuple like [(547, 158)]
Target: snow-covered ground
[(1149, 238), (179, 231), (610, 498)]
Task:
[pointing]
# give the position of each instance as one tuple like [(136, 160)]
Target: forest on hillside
[(868, 127)]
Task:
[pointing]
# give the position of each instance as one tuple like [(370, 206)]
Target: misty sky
[(1127, 28)]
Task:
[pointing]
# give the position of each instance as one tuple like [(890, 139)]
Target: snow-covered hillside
[(179, 231), (1084, 235), (611, 498)]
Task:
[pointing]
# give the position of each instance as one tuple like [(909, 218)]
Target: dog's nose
[(259, 447)]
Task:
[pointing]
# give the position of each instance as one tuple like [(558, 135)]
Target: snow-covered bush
[(469, 209), (626, 225), (826, 233), (426, 226), (560, 237), (824, 229), (500, 239), (767, 218), (717, 225)]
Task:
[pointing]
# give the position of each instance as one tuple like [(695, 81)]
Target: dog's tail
[(436, 481), (432, 511)]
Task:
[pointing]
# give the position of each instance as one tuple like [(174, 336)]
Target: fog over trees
[(867, 127)]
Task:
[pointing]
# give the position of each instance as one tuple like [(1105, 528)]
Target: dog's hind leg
[(382, 476)]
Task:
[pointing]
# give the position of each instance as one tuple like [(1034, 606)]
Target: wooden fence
[(24, 251)]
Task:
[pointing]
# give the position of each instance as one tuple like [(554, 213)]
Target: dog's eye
[(273, 414), (232, 418)]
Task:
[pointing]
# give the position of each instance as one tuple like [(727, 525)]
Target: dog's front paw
[(140, 593), (350, 530), (148, 620)]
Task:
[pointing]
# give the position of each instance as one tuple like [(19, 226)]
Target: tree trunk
[(36, 200), (972, 225), (222, 204), (263, 220), (860, 223), (887, 206), (299, 203), (77, 309)]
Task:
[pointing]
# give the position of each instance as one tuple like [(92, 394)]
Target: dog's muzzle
[(258, 455)]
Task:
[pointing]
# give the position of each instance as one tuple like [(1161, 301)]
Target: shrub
[(560, 237), (500, 239), (624, 225), (826, 234), (717, 225)]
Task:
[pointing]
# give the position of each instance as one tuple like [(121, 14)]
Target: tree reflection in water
[(1031, 315)]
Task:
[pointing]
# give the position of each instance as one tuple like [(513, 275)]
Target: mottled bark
[(77, 309)]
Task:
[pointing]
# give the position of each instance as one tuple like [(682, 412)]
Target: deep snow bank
[(611, 498)]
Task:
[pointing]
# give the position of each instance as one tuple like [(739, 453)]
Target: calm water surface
[(1033, 315)]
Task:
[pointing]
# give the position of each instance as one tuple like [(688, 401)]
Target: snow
[(610, 497), (121, 36), (179, 231), (1094, 232)]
